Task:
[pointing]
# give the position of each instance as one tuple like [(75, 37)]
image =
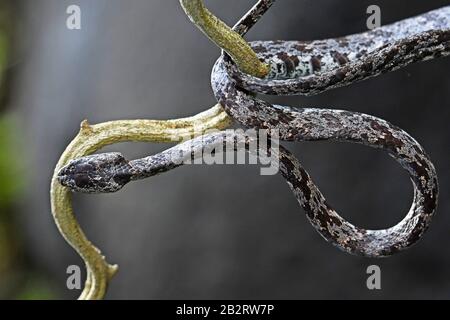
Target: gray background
[(224, 231)]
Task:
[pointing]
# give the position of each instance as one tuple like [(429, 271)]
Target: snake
[(312, 67), (307, 68)]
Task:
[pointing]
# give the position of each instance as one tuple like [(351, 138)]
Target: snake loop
[(310, 68), (294, 68), (110, 172)]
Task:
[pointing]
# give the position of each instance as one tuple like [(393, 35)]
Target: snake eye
[(82, 181), (122, 178)]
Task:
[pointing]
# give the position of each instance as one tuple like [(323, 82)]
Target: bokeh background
[(203, 232)]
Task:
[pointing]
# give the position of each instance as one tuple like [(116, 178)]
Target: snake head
[(99, 173)]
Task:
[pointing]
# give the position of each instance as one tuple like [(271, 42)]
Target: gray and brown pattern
[(308, 68), (102, 173)]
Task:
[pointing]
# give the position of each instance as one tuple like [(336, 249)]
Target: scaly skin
[(101, 173), (110, 172), (99, 276), (310, 68)]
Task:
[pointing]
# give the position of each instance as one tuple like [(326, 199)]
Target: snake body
[(309, 68)]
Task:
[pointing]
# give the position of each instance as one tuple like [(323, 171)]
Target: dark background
[(220, 232)]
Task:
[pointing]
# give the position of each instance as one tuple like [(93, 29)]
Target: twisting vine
[(92, 138)]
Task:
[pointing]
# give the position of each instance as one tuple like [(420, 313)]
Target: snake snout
[(100, 173)]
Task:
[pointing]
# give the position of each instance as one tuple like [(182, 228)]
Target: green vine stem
[(94, 137), (225, 38)]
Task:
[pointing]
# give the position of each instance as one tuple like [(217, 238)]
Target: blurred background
[(203, 232)]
